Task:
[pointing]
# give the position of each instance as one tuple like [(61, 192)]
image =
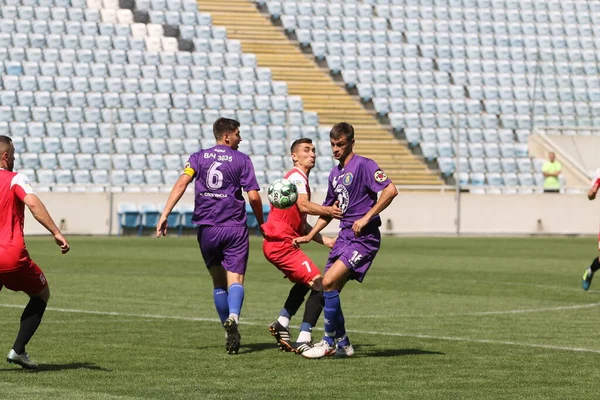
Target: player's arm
[(256, 205), (41, 214), (178, 190), (321, 223), (308, 207), (385, 199), (318, 238)]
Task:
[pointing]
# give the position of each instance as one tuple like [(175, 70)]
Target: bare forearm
[(321, 223), (314, 209), (174, 197), (40, 213), (387, 195), (318, 238)]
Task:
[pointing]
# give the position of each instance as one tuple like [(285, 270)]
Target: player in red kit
[(281, 227), (18, 272), (595, 265)]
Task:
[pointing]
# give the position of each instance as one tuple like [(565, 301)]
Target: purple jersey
[(221, 173), (355, 187)]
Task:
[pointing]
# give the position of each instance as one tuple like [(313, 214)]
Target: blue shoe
[(587, 279)]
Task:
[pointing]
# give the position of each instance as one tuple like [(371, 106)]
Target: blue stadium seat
[(129, 217)]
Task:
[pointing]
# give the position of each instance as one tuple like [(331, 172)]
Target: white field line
[(410, 335), (482, 313)]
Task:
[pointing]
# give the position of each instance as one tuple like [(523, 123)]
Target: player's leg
[(31, 280), (236, 247), (589, 273), (333, 282), (312, 312), (280, 328), (210, 244), (220, 295), (235, 288), (301, 270)]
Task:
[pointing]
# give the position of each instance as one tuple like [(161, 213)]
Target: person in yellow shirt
[(551, 170)]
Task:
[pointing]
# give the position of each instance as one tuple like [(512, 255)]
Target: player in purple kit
[(221, 172), (354, 184)]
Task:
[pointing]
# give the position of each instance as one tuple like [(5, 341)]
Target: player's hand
[(335, 211), (161, 227), (300, 240), (60, 240), (329, 242), (358, 225), (262, 231)]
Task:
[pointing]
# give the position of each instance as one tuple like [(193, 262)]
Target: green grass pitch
[(436, 318)]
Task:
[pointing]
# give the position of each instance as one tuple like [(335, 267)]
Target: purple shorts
[(227, 246), (357, 253)]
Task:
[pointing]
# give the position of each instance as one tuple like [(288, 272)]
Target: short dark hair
[(298, 142), (5, 142), (342, 128), (223, 126)]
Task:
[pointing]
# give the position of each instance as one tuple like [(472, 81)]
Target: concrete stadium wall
[(412, 213)]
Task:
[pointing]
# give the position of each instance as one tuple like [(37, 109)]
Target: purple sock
[(330, 314), (236, 298), (221, 303)]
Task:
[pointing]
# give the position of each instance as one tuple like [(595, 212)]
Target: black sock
[(595, 265), (295, 298), (30, 320), (313, 308)]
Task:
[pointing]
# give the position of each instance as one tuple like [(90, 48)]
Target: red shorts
[(294, 264), (28, 277)]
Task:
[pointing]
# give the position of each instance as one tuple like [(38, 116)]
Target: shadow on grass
[(247, 347), (59, 367), (252, 347), (362, 351)]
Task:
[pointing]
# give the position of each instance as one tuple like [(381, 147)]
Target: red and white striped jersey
[(288, 223)]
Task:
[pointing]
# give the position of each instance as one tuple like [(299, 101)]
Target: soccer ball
[(282, 193)]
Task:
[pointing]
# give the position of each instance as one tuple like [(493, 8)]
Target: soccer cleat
[(22, 359), (319, 350), (587, 279), (232, 343), (282, 335), (344, 348), (301, 347)]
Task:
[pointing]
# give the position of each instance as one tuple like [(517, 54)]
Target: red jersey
[(13, 189), (288, 223)]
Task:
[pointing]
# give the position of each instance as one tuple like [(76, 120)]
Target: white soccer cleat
[(21, 359), (344, 351), (319, 350)]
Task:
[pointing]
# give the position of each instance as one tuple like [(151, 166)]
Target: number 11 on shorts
[(307, 265)]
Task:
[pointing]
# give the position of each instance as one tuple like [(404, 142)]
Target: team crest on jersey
[(380, 176), (343, 197), (347, 179)]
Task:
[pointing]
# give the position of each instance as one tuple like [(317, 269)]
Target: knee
[(44, 294), (317, 284), (328, 285)]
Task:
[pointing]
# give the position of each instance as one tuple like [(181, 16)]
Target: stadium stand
[(125, 92), (504, 67), (100, 92)]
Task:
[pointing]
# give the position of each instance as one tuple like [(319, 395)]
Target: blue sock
[(236, 298), (340, 332), (221, 303), (285, 313), (330, 314), (306, 327)]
